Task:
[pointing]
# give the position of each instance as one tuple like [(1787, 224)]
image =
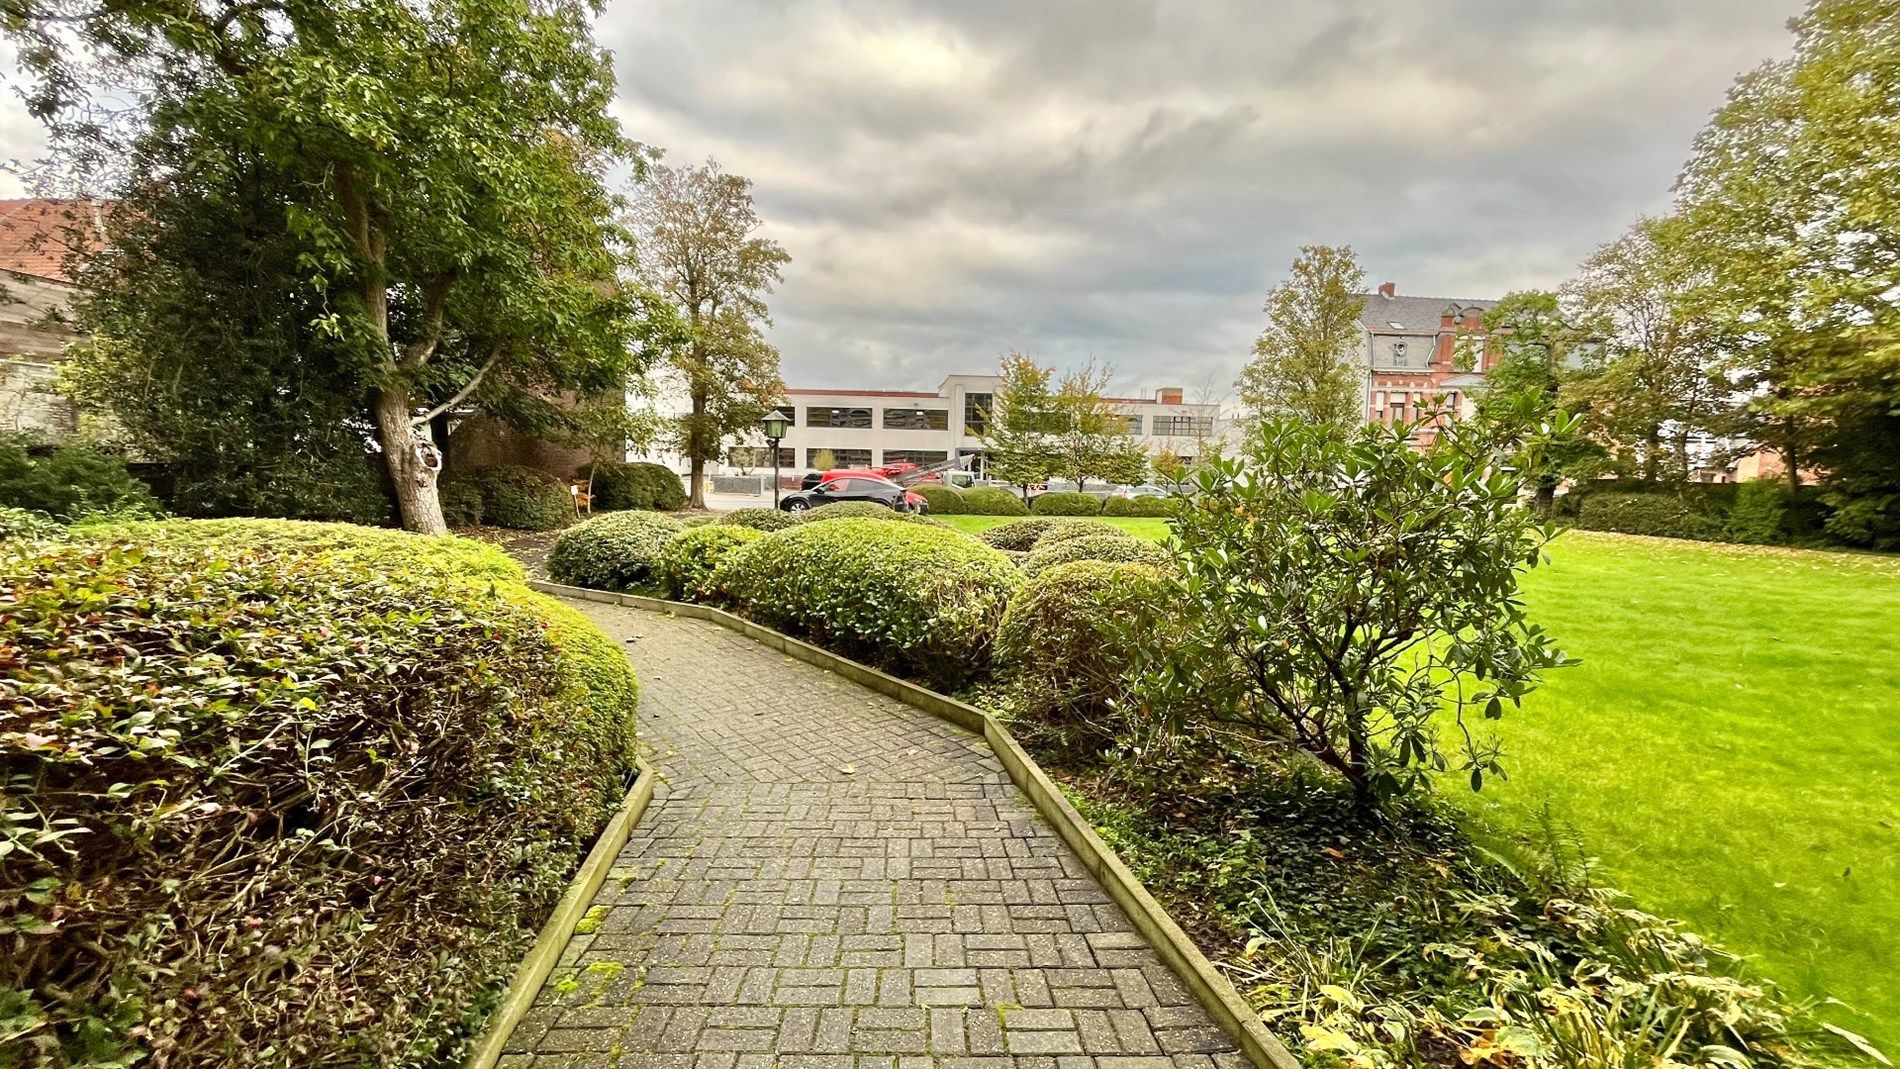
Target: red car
[(824, 488)]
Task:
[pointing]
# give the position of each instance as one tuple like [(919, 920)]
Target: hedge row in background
[(1139, 506), (68, 482), (300, 794), (1759, 511), (1065, 503), (638, 485), (520, 498), (919, 600)]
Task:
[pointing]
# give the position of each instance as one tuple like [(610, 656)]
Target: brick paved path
[(827, 879)]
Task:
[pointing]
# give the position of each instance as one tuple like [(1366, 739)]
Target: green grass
[(1729, 748)]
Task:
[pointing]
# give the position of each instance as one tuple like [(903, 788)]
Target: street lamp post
[(775, 423)]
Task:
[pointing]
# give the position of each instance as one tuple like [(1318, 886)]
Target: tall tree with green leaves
[(1016, 444), (1652, 381), (1539, 350), (1091, 439), (439, 168), (698, 246), (1790, 194), (1307, 363)]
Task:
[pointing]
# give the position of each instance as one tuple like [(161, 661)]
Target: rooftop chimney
[(1387, 289), (1168, 395)]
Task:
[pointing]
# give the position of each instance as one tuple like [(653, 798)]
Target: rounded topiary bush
[(1119, 548), (1139, 506), (685, 567), (993, 501), (637, 485), (1065, 503), (1070, 634), (913, 598), (613, 551), (759, 519), (523, 499), (1075, 528), (860, 510), (296, 799), (943, 500), (1020, 535)]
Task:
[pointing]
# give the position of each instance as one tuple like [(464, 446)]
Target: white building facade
[(854, 428)]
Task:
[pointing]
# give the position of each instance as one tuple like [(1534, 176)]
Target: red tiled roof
[(868, 393), (36, 236)]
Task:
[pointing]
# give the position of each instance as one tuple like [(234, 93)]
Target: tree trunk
[(417, 504)]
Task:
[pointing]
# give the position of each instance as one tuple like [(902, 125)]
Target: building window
[(922, 457), (917, 419), (859, 418), (760, 456), (1183, 426), (1121, 424), (837, 458), (976, 413)]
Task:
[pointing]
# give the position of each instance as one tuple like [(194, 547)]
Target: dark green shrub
[(1760, 512), (1067, 529), (993, 501), (69, 482), (639, 485), (943, 500), (761, 519), (285, 802), (861, 510), (1139, 506), (612, 551), (1067, 638), (1118, 547), (461, 503), (522, 499), (916, 599), (1662, 515), (1021, 535), (686, 565), (23, 524), (1065, 503)]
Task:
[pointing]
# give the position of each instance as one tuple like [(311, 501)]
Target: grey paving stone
[(829, 879)]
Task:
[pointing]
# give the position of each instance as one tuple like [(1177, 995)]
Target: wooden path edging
[(542, 958), (1212, 990)]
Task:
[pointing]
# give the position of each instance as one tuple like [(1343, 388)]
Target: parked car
[(1142, 490), (854, 487), (813, 478)]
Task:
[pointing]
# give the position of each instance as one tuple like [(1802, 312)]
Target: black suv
[(853, 488)]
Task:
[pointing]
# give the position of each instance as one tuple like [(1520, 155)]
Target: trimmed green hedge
[(685, 567), (1068, 637), (758, 518), (1020, 535), (1065, 503), (943, 500), (1120, 548), (920, 600), (299, 793), (612, 551), (1662, 515), (1064, 530), (993, 501), (522, 499), (68, 483), (860, 510), (1760, 512), (639, 485), (1140, 506)]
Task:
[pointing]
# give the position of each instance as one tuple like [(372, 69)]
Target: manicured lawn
[(1729, 748)]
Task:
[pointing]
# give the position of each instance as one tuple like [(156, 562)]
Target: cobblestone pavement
[(829, 879)]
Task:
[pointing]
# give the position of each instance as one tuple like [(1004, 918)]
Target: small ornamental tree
[(1338, 588)]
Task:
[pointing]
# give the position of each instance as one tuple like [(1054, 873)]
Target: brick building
[(1425, 357)]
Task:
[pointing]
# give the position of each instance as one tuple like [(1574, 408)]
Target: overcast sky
[(1127, 178)]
